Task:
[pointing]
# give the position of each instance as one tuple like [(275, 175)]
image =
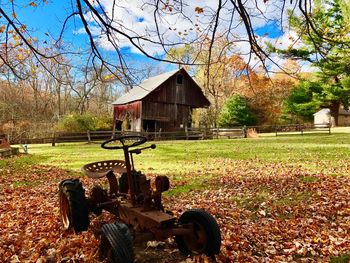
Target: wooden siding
[(187, 93), (175, 114), (168, 107)]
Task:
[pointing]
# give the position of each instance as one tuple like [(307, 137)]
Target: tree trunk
[(335, 111), (59, 110)]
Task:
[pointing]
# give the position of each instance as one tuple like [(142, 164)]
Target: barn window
[(179, 79)]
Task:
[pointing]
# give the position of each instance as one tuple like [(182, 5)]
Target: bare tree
[(233, 19)]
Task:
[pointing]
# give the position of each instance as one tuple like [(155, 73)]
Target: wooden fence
[(303, 129), (188, 134)]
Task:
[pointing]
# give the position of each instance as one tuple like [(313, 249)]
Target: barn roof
[(146, 87)]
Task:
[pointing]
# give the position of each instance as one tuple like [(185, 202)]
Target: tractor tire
[(206, 236), (74, 210), (116, 243)]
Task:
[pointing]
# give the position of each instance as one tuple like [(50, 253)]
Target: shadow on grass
[(21, 161)]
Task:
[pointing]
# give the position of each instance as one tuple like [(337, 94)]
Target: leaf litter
[(267, 212)]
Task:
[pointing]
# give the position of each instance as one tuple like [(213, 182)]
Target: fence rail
[(303, 128), (187, 134)]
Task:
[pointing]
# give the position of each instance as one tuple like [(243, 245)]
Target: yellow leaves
[(33, 4), (198, 10), (2, 29), (23, 28), (19, 56), (13, 15), (33, 69)]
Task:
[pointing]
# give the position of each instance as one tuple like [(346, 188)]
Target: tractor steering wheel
[(125, 141)]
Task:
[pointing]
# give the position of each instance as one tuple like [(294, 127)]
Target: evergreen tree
[(326, 45), (236, 112)]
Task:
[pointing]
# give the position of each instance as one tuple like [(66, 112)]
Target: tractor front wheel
[(116, 243), (205, 238), (74, 210)]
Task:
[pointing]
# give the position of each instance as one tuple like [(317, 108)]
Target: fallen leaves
[(30, 229), (275, 212), (266, 211)]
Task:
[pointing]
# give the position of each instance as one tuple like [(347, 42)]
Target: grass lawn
[(276, 199), (178, 157), (180, 160)]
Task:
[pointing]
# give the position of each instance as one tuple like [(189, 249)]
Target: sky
[(47, 19)]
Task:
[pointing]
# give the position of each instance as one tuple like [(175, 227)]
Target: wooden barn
[(161, 103)]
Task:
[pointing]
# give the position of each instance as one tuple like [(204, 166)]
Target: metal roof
[(324, 111), (327, 111), (146, 87)]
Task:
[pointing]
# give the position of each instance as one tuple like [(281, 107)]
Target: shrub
[(235, 112), (76, 123), (82, 123), (103, 123)]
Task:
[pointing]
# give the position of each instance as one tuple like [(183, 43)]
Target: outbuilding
[(161, 103), (323, 118)]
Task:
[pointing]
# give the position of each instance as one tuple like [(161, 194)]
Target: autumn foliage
[(266, 211)]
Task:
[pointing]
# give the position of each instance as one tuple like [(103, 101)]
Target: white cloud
[(95, 31), (136, 18)]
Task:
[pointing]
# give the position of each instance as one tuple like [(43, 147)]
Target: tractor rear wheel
[(116, 243), (205, 238), (74, 210)]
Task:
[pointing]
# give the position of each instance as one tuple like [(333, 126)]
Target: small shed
[(323, 117), (344, 117), (164, 102)]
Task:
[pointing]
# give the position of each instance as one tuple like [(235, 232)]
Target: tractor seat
[(102, 168)]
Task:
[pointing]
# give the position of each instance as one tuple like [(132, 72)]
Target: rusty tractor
[(138, 207)]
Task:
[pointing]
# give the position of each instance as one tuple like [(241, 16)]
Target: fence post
[(276, 130), (217, 133), (186, 132), (54, 139), (329, 127), (244, 131), (89, 136), (301, 129)]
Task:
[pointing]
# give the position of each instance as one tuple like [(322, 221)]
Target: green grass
[(252, 203), (21, 162), (292, 198), (26, 184), (196, 162), (185, 156), (190, 184), (341, 259), (308, 179)]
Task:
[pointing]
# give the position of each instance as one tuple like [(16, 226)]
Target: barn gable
[(163, 102)]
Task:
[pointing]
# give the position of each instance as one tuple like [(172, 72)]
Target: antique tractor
[(139, 206)]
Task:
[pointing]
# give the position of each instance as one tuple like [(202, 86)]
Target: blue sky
[(271, 30), (48, 19)]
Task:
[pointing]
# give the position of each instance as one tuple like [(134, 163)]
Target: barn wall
[(187, 94), (168, 116), (171, 104), (168, 107), (133, 109)]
